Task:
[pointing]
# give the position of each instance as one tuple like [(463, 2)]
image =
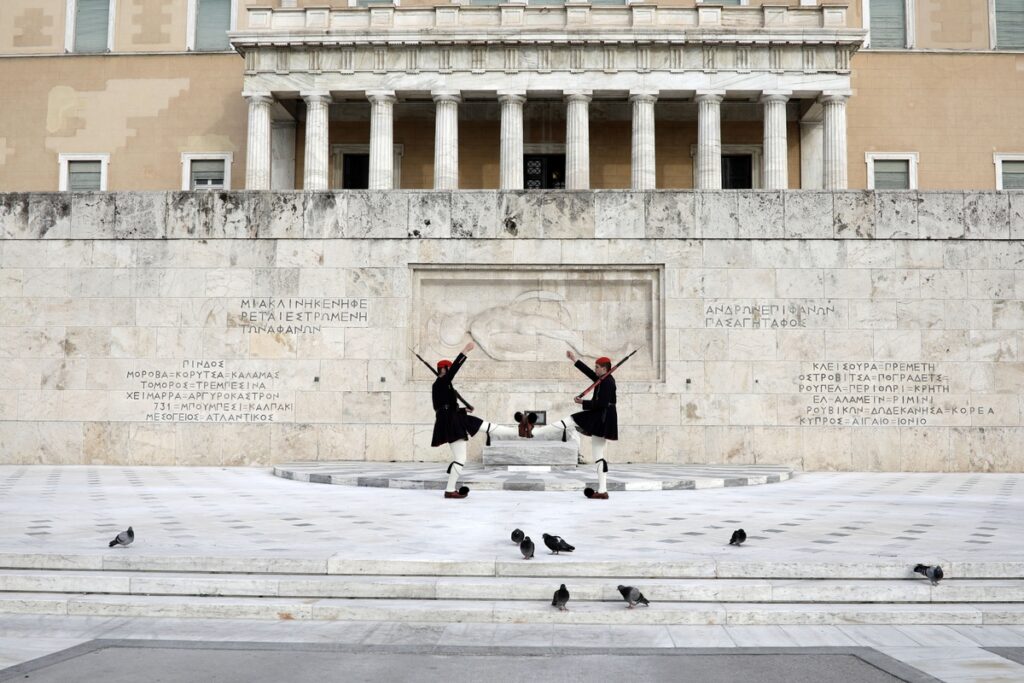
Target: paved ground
[(849, 518), (167, 661), (245, 512)]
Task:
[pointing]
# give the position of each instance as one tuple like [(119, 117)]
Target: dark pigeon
[(526, 548), (932, 572), (633, 596), (738, 537), (124, 538), (560, 597), (557, 544), (518, 536)]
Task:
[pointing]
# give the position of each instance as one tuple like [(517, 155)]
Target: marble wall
[(831, 331)]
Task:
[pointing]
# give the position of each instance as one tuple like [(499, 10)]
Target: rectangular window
[(1009, 171), (85, 176), (92, 22), (213, 21), (888, 23), (207, 174), (1009, 24), (892, 171)]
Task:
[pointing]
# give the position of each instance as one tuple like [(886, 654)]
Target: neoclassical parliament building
[(524, 94)]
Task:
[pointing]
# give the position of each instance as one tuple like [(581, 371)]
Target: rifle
[(601, 379), (430, 367)]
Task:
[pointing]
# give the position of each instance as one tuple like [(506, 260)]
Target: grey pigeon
[(932, 572), (633, 596), (560, 597), (557, 544), (526, 548), (123, 538), (518, 536), (738, 537)]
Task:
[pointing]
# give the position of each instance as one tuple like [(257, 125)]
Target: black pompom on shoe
[(464, 490), (588, 492)]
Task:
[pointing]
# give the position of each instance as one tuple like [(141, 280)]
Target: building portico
[(792, 63)]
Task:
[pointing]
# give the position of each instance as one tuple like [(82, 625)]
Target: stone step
[(512, 588), (543, 565), (482, 611)]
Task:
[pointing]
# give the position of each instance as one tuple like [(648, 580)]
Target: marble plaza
[(853, 331)]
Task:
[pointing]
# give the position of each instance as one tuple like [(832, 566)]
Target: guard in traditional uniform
[(598, 419), (453, 425)]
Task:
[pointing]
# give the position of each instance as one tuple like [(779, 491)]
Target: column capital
[(261, 96), (643, 95), (834, 97), (446, 95), (513, 96), (578, 95), (715, 96), (381, 96), (776, 95), (314, 96)]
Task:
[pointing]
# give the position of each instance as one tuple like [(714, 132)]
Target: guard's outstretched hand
[(469, 347), (570, 355), (578, 400)]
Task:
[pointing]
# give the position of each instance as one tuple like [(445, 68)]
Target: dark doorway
[(737, 171), (355, 171), (544, 171)]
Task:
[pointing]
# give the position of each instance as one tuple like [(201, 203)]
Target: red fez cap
[(444, 363), (604, 360)]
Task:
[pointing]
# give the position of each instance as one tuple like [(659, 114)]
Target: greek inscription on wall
[(208, 391), (302, 316), (770, 314), (879, 394)]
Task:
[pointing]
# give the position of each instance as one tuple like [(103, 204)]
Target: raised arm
[(581, 366), (459, 360)]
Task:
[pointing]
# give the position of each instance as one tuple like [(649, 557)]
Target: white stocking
[(458, 462), (497, 430), (597, 447), (556, 428)]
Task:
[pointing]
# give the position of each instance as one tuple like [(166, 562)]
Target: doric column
[(776, 161), (382, 153), (317, 158), (282, 155), (643, 177), (577, 140), (511, 139), (834, 106), (708, 174), (257, 159), (446, 140)]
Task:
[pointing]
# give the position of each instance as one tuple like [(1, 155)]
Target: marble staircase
[(499, 591)]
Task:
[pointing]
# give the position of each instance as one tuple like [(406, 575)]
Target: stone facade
[(827, 330)]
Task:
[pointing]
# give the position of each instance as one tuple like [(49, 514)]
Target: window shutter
[(84, 176), (207, 173), (892, 174), (888, 23), (213, 20), (1013, 175), (1009, 24), (92, 18)]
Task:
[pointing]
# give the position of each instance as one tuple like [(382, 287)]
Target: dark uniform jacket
[(451, 422), (598, 417)]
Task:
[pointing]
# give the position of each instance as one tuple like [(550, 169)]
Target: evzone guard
[(453, 425)]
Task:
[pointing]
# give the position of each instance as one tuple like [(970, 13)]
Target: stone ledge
[(493, 214)]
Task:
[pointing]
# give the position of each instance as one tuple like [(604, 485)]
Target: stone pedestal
[(502, 453)]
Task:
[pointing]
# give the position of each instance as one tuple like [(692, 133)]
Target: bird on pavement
[(738, 537), (932, 572), (124, 538), (557, 544), (518, 536), (560, 597), (633, 596), (526, 548)]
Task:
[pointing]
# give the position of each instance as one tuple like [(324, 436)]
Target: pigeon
[(518, 535), (557, 544), (526, 548), (738, 537), (932, 572), (633, 596), (123, 538), (560, 597)]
